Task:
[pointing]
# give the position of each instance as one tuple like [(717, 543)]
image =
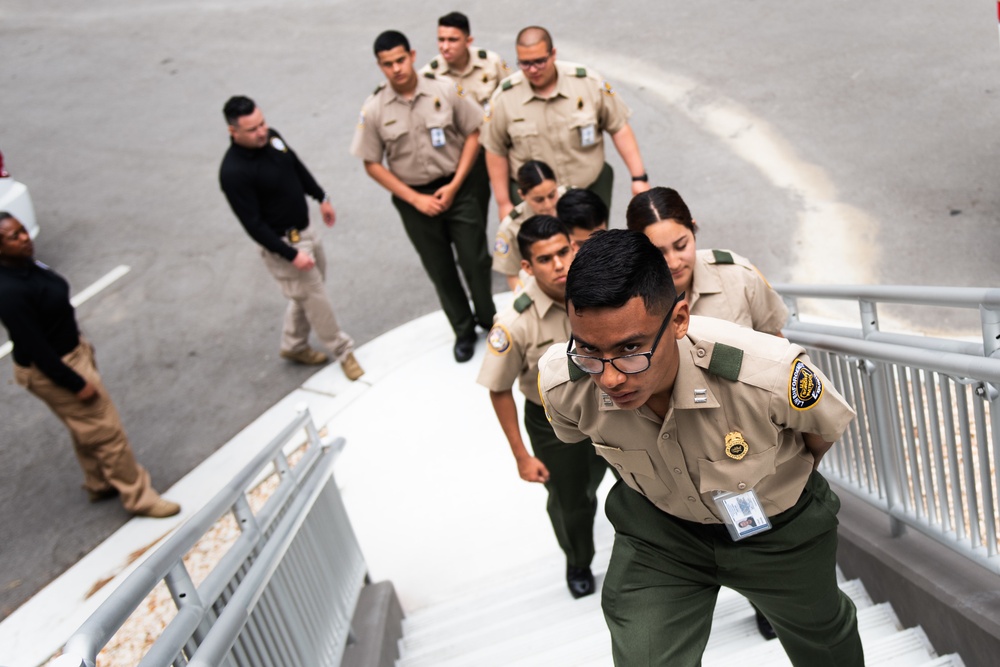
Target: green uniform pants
[(479, 180), (461, 225), (601, 187), (575, 472), (665, 574)]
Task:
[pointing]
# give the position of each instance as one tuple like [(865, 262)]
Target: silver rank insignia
[(736, 446)]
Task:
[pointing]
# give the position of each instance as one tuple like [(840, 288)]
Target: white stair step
[(950, 660)]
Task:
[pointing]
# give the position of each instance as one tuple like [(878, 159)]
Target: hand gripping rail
[(283, 594)]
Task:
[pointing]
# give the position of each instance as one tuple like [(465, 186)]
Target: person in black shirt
[(266, 184), (52, 361)]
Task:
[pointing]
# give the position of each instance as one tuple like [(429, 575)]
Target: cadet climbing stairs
[(526, 618)]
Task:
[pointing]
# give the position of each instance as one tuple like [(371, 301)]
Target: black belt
[(435, 184)]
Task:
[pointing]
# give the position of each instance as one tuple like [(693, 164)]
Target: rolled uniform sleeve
[(367, 143), (504, 360), (493, 136), (806, 402), (614, 113)]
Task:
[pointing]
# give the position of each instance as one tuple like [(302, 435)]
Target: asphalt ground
[(842, 142)]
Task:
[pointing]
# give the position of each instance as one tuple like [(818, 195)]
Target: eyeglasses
[(628, 363), (537, 63)]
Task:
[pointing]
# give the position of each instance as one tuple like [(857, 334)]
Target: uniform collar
[(561, 90), (423, 88), (474, 63), (248, 152), (691, 388), (542, 301), (704, 280)]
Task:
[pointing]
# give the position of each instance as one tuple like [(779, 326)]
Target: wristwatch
[(641, 177)]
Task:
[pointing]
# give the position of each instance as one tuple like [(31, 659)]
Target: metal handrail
[(244, 573), (923, 450)]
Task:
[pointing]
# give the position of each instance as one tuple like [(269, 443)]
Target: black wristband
[(642, 177)]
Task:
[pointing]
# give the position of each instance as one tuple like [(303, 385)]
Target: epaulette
[(430, 75), (514, 214), (522, 302), (723, 257), (575, 372), (581, 72), (506, 85), (482, 54), (378, 88), (434, 64), (726, 361)]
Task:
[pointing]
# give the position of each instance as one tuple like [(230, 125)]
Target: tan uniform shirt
[(729, 287), (403, 131), (519, 337), (480, 77), (677, 462), (566, 130), (506, 254)]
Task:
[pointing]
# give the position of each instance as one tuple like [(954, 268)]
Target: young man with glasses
[(709, 424), (571, 472), (558, 113)]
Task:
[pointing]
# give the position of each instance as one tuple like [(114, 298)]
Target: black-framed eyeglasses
[(628, 363), (537, 63)]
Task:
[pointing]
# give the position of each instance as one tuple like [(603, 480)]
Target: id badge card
[(588, 135), (437, 137), (741, 513)]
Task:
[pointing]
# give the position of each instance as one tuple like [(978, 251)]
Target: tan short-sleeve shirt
[(404, 132), (565, 130), (729, 287), (480, 77), (678, 462), (506, 254), (519, 337)]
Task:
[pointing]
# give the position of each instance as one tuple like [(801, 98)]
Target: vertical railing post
[(884, 423)]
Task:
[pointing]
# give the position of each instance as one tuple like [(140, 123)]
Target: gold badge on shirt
[(736, 446), (294, 236)]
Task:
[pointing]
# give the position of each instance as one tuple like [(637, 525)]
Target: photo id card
[(437, 137), (741, 513), (588, 135)]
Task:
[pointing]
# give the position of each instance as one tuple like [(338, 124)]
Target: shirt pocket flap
[(393, 131), (582, 119), (731, 475), (634, 461), (440, 119), (524, 128)]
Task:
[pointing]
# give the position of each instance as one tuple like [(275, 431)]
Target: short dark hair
[(236, 107), (582, 208), (389, 40), (538, 228), (455, 20), (656, 205), (4, 215), (532, 173), (532, 35), (615, 266)]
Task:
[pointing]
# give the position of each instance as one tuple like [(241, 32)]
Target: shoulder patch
[(501, 246), (723, 257), (726, 362), (581, 72), (506, 85), (498, 340), (522, 302), (434, 64), (482, 54), (608, 89), (804, 387), (575, 372)]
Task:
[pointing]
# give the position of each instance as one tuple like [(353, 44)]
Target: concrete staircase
[(527, 618)]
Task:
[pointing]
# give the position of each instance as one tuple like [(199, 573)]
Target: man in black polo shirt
[(266, 185)]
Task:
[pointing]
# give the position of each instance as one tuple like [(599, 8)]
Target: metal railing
[(283, 593), (923, 448)]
